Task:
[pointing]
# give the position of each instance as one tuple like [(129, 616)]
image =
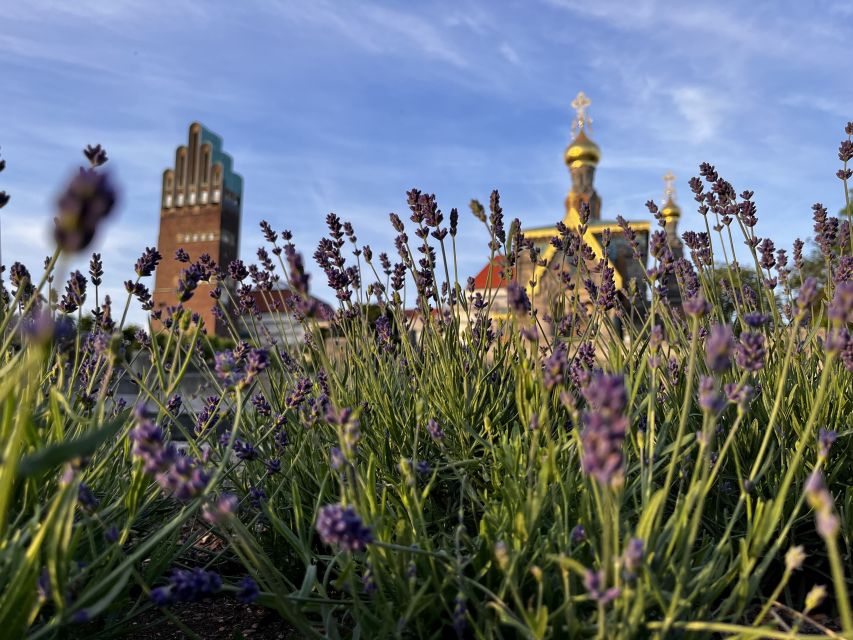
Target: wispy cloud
[(509, 52), (811, 102), (376, 28), (701, 108)]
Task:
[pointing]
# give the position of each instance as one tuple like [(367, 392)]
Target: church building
[(547, 277)]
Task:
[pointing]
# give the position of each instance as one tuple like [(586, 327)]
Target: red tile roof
[(491, 276)]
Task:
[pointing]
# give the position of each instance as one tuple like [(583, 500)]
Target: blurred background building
[(549, 270)]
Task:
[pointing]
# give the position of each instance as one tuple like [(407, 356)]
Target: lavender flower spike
[(604, 429), (718, 348), (593, 582), (341, 525)]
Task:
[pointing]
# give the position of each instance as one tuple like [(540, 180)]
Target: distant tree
[(746, 283), (814, 266)]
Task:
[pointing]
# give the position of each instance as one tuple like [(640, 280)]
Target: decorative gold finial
[(668, 186), (580, 104), (670, 211)]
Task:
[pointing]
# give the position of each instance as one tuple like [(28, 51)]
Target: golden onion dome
[(670, 210), (582, 151)]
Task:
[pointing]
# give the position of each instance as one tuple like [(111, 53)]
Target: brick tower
[(200, 213)]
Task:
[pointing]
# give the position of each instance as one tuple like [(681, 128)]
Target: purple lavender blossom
[(460, 614), (841, 308), (593, 582), (75, 293), (148, 262), (248, 590), (709, 398), (738, 394), (808, 293), (173, 405), (96, 155), (336, 458), (188, 282), (187, 585), (659, 246), (19, 275), (300, 391), (368, 580), (96, 269), (256, 362), (341, 525), (348, 427), (245, 450), (435, 431), (267, 230), (149, 443), (604, 429), (578, 534), (280, 439), (184, 478), (225, 366), (607, 290), (756, 320), (751, 351), (384, 332), (87, 200), (767, 249), (237, 270), (826, 229), (632, 558), (696, 305), (257, 496), (262, 407), (517, 299), (43, 585), (555, 368), (80, 617), (179, 475), (86, 498), (844, 271), (606, 393), (718, 348), (655, 337), (217, 512), (825, 439)]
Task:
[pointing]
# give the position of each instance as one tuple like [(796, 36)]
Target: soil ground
[(222, 618)]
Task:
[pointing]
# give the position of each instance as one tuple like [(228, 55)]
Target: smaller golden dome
[(670, 211), (582, 151)]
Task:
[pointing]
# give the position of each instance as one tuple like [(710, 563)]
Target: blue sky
[(344, 106)]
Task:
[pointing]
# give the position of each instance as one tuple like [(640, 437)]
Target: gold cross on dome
[(669, 186), (580, 104)]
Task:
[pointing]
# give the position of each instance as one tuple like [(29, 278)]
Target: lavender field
[(562, 469)]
